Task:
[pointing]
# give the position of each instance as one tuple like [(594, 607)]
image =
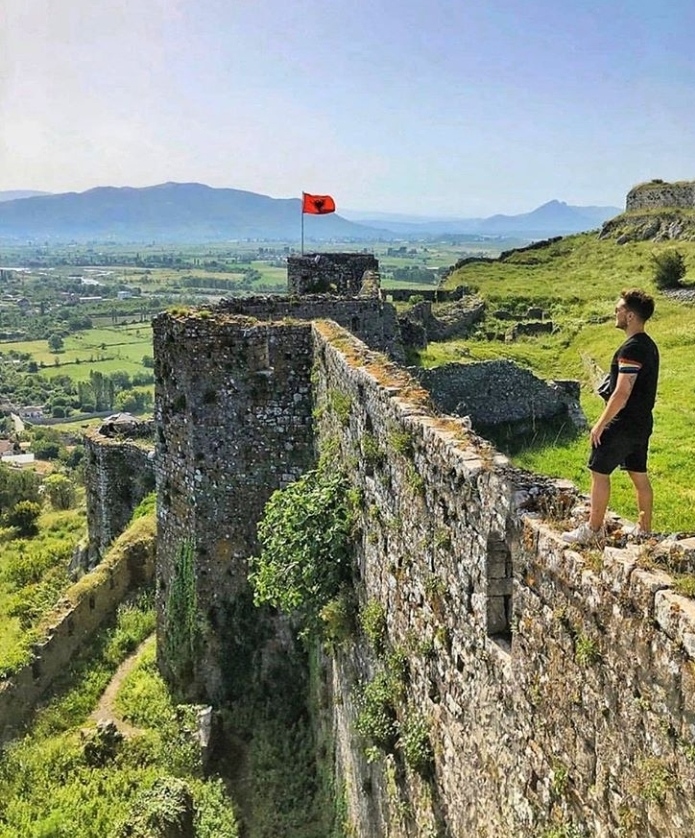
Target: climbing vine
[(182, 618)]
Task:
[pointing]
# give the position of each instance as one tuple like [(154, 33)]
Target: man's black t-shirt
[(638, 355)]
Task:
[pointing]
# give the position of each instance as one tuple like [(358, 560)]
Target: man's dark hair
[(638, 301)]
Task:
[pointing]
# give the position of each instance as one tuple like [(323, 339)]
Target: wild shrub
[(17, 486), (338, 618), (376, 718), (60, 491), (23, 517), (27, 566), (305, 536), (669, 269), (373, 622), (414, 742)]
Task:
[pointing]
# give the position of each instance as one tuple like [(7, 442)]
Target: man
[(620, 436)]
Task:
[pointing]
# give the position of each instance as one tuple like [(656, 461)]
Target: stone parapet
[(332, 273)]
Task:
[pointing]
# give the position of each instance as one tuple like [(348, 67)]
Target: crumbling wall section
[(119, 473), (452, 320), (84, 608), (657, 194), (334, 273), (496, 392)]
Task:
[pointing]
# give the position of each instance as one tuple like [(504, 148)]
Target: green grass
[(577, 281), (49, 786), (33, 576), (105, 349)]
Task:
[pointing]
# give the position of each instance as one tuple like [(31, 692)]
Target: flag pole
[(301, 209)]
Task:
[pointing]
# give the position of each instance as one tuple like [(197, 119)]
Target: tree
[(16, 486), (60, 491), (23, 517), (669, 269), (55, 343), (46, 449)]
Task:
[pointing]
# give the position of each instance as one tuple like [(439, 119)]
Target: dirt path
[(106, 709)]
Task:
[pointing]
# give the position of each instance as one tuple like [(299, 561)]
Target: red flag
[(317, 204)]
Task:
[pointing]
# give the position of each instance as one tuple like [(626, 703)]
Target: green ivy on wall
[(182, 618)]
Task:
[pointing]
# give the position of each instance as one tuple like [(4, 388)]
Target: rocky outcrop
[(655, 211), (667, 225)]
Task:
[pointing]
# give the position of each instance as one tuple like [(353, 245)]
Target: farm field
[(106, 350)]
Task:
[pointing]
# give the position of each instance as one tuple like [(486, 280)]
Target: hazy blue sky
[(439, 107)]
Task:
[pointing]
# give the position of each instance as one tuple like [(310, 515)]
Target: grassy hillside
[(576, 281)]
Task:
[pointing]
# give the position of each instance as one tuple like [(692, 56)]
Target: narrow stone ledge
[(675, 615)]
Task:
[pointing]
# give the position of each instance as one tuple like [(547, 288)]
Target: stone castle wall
[(119, 473), (334, 273), (556, 688), (659, 195), (370, 318), (234, 409)]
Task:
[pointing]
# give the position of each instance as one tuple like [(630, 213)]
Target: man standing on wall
[(620, 436)]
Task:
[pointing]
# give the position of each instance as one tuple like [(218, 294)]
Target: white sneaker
[(584, 536)]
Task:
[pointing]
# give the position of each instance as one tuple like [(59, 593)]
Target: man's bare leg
[(645, 499), (600, 495)]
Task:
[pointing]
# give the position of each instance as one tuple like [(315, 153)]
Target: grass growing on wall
[(576, 281)]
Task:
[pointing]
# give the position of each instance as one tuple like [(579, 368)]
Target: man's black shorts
[(617, 448)]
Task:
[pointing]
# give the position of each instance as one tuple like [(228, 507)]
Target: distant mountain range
[(550, 219), (191, 212), (14, 194)]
